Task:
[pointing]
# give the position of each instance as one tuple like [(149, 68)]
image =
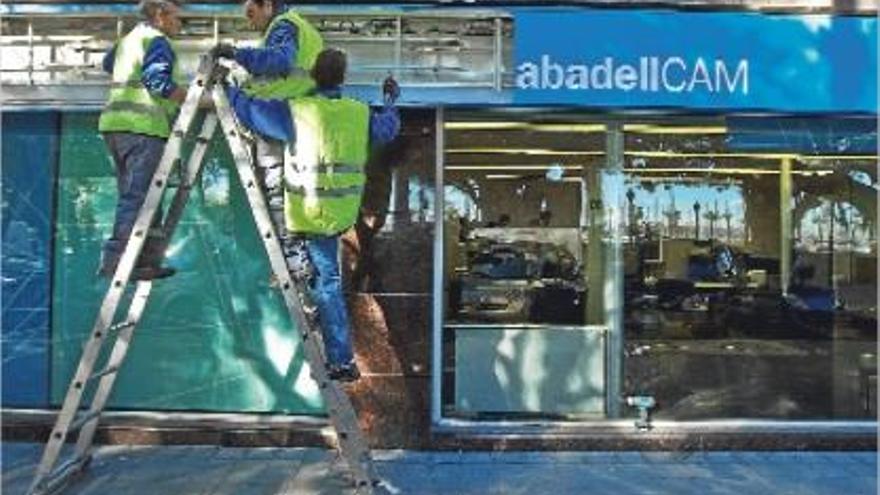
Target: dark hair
[(277, 5), (150, 8), (329, 69)]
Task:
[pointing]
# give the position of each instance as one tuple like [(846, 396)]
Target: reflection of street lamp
[(672, 216), (631, 197), (712, 216), (727, 216), (696, 220)]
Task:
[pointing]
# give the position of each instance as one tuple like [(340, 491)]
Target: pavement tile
[(827, 486), (665, 457), (458, 457), (719, 457), (750, 458), (316, 476), (609, 479), (278, 453), (628, 457), (598, 458), (91, 484), (207, 470), (13, 454), (869, 458), (233, 453), (470, 479), (405, 478), (257, 476)]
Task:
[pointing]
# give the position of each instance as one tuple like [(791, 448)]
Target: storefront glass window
[(746, 251)]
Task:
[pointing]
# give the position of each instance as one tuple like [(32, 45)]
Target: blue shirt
[(272, 119), (276, 57), (157, 67)]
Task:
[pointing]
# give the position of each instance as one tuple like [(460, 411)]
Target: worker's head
[(163, 15), (261, 12), (329, 69)]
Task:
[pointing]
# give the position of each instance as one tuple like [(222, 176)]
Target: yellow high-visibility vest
[(130, 107), (324, 169), (299, 81)]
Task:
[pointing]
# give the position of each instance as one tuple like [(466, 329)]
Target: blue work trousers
[(136, 158), (326, 292)]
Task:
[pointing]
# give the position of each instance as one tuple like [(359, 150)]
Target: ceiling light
[(658, 129), (524, 151), (488, 126)]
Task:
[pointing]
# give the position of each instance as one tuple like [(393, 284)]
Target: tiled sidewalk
[(197, 470)]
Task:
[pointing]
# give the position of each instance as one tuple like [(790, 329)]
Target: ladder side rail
[(57, 480), (117, 285), (191, 174), (243, 161), (345, 422), (117, 355)]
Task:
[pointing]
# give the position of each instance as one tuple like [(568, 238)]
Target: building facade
[(602, 227)]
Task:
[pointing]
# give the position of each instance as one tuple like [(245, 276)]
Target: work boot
[(343, 372), (152, 272), (139, 272)]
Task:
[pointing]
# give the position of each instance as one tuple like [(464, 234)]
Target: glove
[(222, 50), (390, 90)]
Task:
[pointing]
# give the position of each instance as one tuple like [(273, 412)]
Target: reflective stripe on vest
[(324, 169), (328, 193), (150, 111), (130, 106), (299, 81), (126, 84)]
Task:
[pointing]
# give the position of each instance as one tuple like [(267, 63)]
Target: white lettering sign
[(654, 74)]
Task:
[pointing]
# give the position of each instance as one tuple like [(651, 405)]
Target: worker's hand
[(222, 50), (390, 90), (178, 95)]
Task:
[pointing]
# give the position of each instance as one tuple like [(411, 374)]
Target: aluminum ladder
[(351, 442)]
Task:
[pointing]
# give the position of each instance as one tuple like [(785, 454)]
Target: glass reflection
[(519, 261), (734, 307), (750, 275)]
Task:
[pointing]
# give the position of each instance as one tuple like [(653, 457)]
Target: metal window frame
[(531, 427)]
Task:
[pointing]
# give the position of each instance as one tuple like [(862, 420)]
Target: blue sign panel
[(656, 59)]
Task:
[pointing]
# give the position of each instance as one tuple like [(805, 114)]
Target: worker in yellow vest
[(327, 139), (135, 124), (279, 67)]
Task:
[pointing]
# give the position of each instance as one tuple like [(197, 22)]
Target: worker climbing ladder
[(290, 280)]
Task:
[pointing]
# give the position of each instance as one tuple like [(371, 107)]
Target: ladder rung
[(82, 420), (106, 371), (121, 325)]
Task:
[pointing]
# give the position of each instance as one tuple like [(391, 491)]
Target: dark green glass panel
[(216, 336)]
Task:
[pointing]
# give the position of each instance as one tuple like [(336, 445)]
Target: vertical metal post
[(439, 207), (614, 199), (498, 58), (595, 253), (785, 224), (398, 45), (216, 30), (30, 52)]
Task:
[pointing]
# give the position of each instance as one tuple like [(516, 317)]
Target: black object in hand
[(390, 90), (222, 50)]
